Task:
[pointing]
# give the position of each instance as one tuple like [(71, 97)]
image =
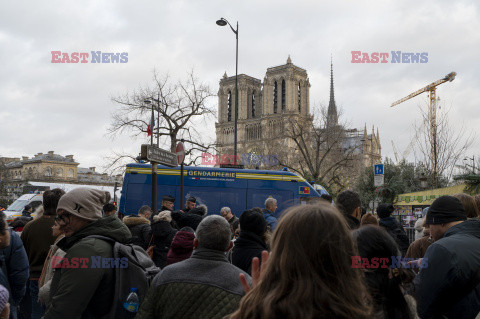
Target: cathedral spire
[(332, 117)]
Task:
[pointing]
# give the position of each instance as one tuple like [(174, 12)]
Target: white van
[(16, 208)]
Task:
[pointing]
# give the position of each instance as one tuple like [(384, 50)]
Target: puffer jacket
[(163, 235), (449, 287), (181, 247), (86, 292), (186, 219), (397, 232), (140, 229), (14, 264), (204, 286)]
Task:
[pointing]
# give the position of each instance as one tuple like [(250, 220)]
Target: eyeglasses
[(65, 218)]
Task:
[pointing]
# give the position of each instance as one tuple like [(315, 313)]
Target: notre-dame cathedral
[(263, 108)]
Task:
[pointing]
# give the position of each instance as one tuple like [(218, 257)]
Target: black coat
[(163, 234), (393, 227), (140, 229), (247, 246), (186, 219), (450, 284)]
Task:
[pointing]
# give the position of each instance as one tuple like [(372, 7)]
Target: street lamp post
[(223, 22), (154, 166), (473, 162)]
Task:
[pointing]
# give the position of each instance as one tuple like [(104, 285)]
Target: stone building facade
[(15, 173), (264, 107)]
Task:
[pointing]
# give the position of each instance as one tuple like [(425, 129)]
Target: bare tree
[(451, 145), (176, 105), (322, 152)]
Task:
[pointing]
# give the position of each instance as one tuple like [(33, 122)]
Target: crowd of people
[(324, 260)]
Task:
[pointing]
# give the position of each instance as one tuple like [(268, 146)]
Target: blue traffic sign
[(378, 169)]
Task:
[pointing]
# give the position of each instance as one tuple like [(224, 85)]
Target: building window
[(70, 173), (229, 116), (59, 172), (253, 104), (283, 96), (275, 91), (299, 98), (48, 171)]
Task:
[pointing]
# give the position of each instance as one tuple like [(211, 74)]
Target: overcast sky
[(66, 108)]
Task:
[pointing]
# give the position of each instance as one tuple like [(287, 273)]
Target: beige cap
[(86, 203)]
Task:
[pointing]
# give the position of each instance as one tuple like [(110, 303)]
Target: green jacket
[(204, 286), (86, 292)]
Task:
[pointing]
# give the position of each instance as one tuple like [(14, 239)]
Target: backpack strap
[(151, 239)]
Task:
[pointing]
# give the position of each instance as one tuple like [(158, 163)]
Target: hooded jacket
[(247, 246), (181, 247), (86, 292), (397, 232), (140, 229), (163, 234), (450, 285)]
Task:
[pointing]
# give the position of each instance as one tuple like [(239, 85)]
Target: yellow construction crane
[(432, 112)]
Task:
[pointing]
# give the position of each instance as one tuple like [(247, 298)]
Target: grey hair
[(270, 201), (225, 210), (214, 233), (144, 209)]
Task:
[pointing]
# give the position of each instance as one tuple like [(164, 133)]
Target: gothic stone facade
[(261, 108)]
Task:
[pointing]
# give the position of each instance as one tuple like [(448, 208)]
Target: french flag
[(151, 126)]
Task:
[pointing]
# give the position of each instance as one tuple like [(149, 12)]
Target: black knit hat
[(253, 221), (192, 199), (445, 209), (385, 210)]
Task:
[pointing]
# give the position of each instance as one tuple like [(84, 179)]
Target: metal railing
[(410, 233)]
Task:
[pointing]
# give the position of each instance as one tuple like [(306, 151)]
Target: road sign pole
[(180, 151), (181, 185), (154, 188)]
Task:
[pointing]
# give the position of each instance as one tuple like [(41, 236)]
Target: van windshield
[(18, 205)]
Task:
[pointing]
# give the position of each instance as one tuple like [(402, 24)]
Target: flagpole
[(151, 126)]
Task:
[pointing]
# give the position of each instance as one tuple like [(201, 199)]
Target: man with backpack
[(449, 284), (84, 281)]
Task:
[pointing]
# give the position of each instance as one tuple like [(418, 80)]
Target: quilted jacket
[(204, 286)]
